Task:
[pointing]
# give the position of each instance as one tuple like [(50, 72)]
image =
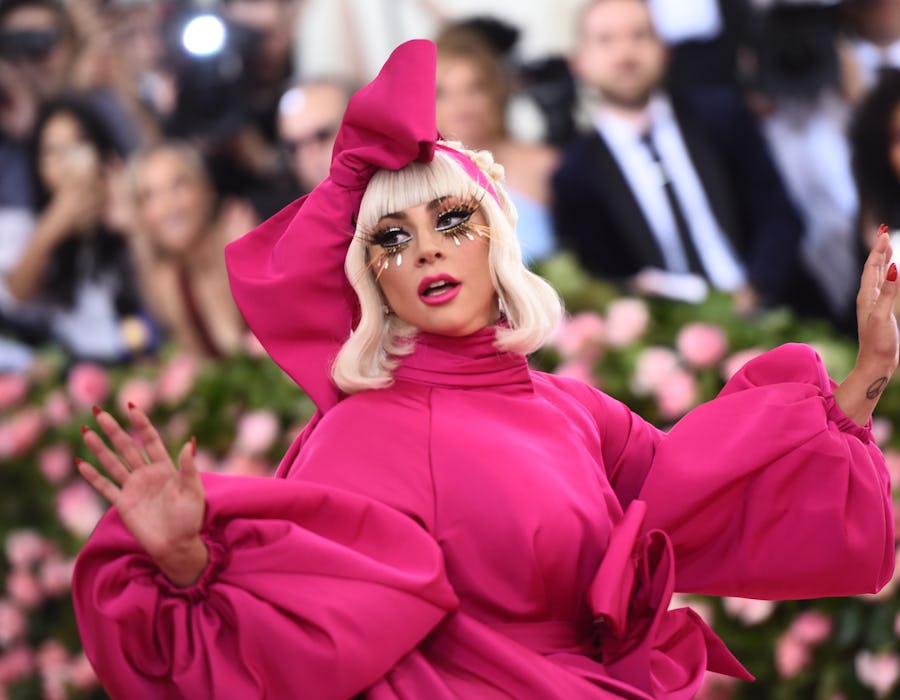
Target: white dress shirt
[(720, 262)]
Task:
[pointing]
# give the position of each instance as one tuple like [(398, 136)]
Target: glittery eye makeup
[(452, 218)]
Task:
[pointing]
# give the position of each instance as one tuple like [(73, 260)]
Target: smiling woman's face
[(431, 262)]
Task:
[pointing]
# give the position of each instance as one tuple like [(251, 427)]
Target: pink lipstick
[(438, 289)]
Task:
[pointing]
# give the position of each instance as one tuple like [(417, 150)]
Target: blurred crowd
[(744, 146)]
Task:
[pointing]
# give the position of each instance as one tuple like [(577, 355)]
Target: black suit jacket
[(598, 217)]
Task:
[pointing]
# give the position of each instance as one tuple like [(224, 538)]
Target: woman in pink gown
[(452, 524)]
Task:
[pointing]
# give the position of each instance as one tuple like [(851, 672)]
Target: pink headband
[(472, 170)]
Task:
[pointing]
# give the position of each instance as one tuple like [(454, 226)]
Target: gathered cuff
[(219, 557), (846, 424)]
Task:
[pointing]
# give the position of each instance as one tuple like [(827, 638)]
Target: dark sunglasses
[(317, 138)]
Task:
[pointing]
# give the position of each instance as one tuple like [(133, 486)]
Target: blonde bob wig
[(531, 306)]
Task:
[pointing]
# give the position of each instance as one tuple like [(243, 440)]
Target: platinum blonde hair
[(532, 307)]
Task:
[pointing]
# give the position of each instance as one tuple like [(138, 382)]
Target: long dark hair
[(877, 182), (106, 250)]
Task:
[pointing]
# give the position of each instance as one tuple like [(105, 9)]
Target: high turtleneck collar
[(465, 362)]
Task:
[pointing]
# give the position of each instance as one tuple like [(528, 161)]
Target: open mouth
[(438, 289)]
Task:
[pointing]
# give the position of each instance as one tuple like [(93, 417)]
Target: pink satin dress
[(481, 530)]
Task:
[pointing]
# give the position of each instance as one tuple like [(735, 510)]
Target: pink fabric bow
[(663, 652), (287, 275)]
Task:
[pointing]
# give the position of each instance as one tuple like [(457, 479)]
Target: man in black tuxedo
[(663, 196)]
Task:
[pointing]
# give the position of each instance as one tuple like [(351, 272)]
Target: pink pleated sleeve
[(771, 491), (303, 578)]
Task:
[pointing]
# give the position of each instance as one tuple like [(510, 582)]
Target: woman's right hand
[(161, 505)]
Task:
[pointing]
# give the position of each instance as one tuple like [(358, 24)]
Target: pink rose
[(13, 388), (748, 610), (627, 320), (81, 673), (56, 576), (20, 432), (56, 463), (810, 627), (53, 661), (16, 664), (205, 461), (578, 370), (654, 365), (12, 623), (878, 671), (581, 337), (141, 392), (57, 409), (22, 587), (881, 430), (177, 428), (677, 394), (52, 654), (25, 547), (735, 362), (701, 344), (88, 385), (256, 431), (244, 465), (79, 508), (791, 656), (892, 460), (716, 687), (703, 608), (177, 378)]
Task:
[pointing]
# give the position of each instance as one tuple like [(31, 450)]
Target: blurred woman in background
[(181, 231), (73, 279), (472, 96)]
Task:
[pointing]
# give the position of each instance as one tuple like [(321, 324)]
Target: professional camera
[(212, 59), (797, 48)]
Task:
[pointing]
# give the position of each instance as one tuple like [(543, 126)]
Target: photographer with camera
[(231, 63)]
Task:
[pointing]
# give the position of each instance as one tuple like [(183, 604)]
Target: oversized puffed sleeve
[(770, 491), (311, 591)]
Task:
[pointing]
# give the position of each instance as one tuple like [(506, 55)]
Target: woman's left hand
[(878, 336)]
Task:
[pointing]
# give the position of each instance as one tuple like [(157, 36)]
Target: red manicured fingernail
[(193, 446), (892, 273), (97, 410), (78, 461), (84, 430), (883, 228), (131, 405)]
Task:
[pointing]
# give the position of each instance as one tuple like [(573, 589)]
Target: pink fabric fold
[(303, 578), (665, 653)]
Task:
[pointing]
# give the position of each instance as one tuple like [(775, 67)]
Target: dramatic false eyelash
[(465, 206)]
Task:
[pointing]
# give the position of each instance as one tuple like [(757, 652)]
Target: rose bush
[(661, 358)]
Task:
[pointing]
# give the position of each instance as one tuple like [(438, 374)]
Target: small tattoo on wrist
[(876, 387)]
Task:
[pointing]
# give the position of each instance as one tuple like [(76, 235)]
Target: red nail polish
[(84, 430), (892, 273), (131, 405), (78, 461), (96, 410), (193, 446), (882, 229)]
